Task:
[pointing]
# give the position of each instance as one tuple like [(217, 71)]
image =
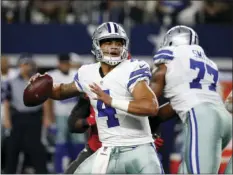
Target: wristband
[(120, 104)]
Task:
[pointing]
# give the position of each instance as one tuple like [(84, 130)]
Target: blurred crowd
[(36, 139), (135, 12)]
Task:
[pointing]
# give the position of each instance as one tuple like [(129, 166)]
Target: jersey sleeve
[(77, 80), (164, 55), (140, 72)]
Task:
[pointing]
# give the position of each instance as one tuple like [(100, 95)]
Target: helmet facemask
[(111, 54)]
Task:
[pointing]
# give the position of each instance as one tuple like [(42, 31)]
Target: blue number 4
[(201, 66), (108, 111)]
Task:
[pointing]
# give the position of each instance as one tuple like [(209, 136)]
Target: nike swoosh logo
[(141, 66)]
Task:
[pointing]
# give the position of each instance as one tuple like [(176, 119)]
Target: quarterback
[(122, 100), (189, 79)]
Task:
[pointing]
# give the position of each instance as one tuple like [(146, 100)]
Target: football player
[(189, 79), (82, 119), (122, 100)]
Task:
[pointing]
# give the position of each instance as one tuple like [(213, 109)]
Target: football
[(38, 91)]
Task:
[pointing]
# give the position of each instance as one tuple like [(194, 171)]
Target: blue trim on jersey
[(138, 72), (165, 52), (76, 79), (166, 57), (115, 27), (135, 79), (109, 27)]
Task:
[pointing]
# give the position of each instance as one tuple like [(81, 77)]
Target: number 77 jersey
[(116, 127), (191, 77)]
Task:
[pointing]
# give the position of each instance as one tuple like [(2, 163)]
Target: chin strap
[(112, 60)]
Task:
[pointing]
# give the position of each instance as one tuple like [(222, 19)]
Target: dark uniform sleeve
[(80, 111), (5, 91)]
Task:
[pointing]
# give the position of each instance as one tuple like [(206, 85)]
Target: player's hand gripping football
[(38, 90), (101, 95), (34, 77)]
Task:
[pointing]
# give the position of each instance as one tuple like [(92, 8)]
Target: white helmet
[(109, 30), (180, 35)]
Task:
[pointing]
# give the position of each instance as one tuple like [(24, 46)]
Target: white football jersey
[(63, 107), (191, 77), (116, 127)]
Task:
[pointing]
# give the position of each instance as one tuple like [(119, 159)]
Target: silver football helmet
[(109, 30), (180, 35)]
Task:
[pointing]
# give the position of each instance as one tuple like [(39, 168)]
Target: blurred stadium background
[(48, 28)]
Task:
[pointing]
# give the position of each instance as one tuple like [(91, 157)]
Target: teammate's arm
[(157, 85), (166, 112), (158, 80)]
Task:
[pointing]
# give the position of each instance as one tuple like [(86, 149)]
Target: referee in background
[(24, 123)]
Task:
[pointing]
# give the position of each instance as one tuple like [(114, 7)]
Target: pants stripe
[(191, 143), (197, 153), (193, 156)]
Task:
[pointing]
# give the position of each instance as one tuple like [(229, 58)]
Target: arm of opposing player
[(80, 118), (76, 123)]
